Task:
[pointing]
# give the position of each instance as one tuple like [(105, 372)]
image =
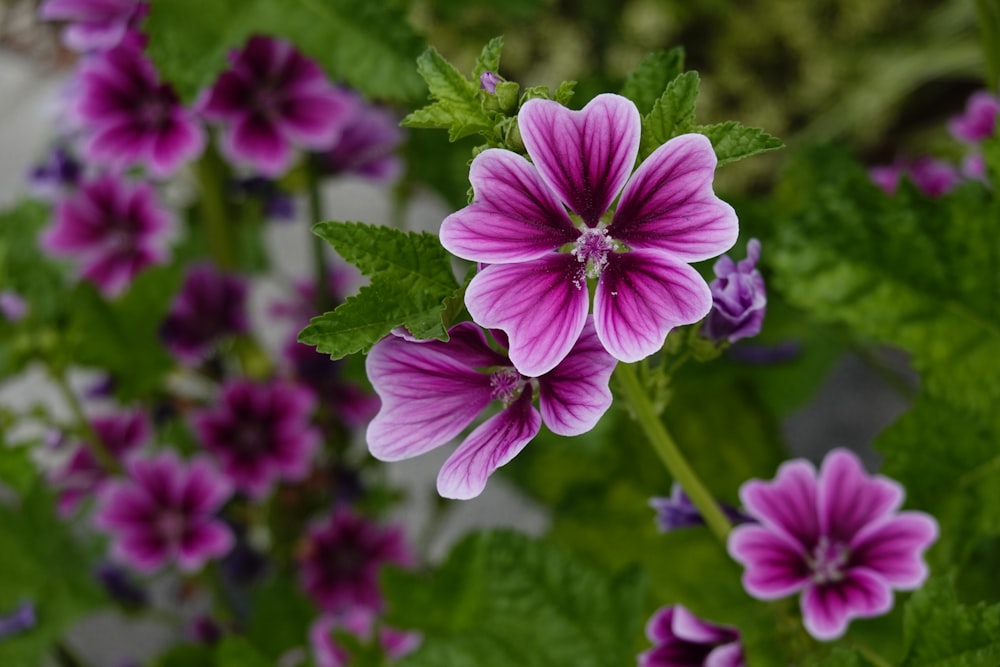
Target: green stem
[(869, 654), (323, 298), (214, 209), (97, 447), (669, 453)]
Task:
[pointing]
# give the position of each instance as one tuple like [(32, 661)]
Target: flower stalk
[(90, 436), (214, 211)]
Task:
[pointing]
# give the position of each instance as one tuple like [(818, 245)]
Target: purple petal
[(690, 628), (428, 396), (775, 566), (315, 120), (574, 395), (894, 548), (827, 609), (640, 297), (849, 499), (145, 551), (788, 503), (669, 204), (256, 140), (179, 141), (205, 490), (727, 655), (660, 626), (495, 442), (514, 216), (585, 156), (201, 542), (540, 305)]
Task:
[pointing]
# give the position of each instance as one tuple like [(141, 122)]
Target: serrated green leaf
[(564, 92), (369, 45), (502, 598), (489, 58), (941, 632), (456, 104), (648, 81), (672, 113), (733, 141)]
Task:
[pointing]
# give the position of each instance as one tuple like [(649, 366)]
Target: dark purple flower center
[(828, 561), (171, 526), (346, 561), (250, 438), (591, 250), (506, 385)]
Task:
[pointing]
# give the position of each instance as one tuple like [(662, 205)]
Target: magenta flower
[(210, 306), (368, 144), (838, 538), (934, 178), (130, 117), (112, 229), (121, 435), (342, 558), (488, 81), (273, 99), (165, 511), (738, 298), (681, 639), (979, 120), (260, 433), (94, 25), (13, 307), (361, 623), (353, 405), (677, 511), (534, 289), (432, 390)]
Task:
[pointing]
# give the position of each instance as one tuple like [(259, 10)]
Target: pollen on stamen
[(506, 385), (828, 561), (591, 249)]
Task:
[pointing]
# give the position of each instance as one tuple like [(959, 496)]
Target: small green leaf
[(489, 58), (645, 85), (733, 141), (672, 113), (941, 632), (17, 471), (456, 104), (564, 93)]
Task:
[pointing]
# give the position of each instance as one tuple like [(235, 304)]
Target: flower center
[(505, 385), (828, 561), (170, 526), (592, 249)]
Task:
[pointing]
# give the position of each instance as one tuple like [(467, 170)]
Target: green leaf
[(369, 45), (988, 13), (489, 58), (236, 651), (672, 113), (456, 104), (645, 85), (564, 92), (502, 598), (733, 141), (17, 471), (187, 655), (412, 285), (280, 617), (941, 632)]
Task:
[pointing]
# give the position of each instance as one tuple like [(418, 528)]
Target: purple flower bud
[(57, 175), (204, 629), (12, 306), (681, 638), (739, 299), (21, 619), (678, 511), (488, 81), (120, 586), (934, 178)]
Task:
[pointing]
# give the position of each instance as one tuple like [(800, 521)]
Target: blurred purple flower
[(677, 511), (13, 307), (979, 120), (271, 100), (739, 298), (368, 144), (488, 81), (974, 167), (120, 586), (361, 623), (681, 639), (112, 229), (933, 178), (20, 620), (130, 117), (206, 630), (354, 406), (94, 25), (342, 559), (164, 510), (121, 435), (837, 537), (210, 306), (57, 176), (260, 433)]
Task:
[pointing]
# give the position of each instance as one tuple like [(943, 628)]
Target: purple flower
[(681, 639), (979, 120), (488, 81), (738, 298), (432, 390), (887, 176), (974, 167), (130, 117), (95, 25), (260, 433), (112, 229), (677, 511), (368, 144), (934, 178), (165, 511), (210, 306), (57, 176), (838, 538), (13, 307), (342, 558), (353, 405), (121, 435), (273, 99), (20, 620), (534, 289), (361, 623)]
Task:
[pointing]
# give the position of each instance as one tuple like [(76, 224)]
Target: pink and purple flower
[(112, 229), (432, 390), (681, 639), (260, 433), (368, 144), (271, 100), (933, 178), (94, 25), (979, 120), (838, 538), (210, 306), (130, 117), (739, 298), (164, 511), (342, 559), (361, 623), (540, 256)]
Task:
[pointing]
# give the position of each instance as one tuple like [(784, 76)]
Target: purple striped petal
[(178, 141), (669, 204), (201, 542), (894, 548), (514, 217), (540, 305), (849, 499), (257, 141), (774, 565), (727, 655), (145, 551), (494, 443), (640, 297), (690, 628), (788, 503), (585, 156), (826, 609), (575, 394), (428, 397)]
